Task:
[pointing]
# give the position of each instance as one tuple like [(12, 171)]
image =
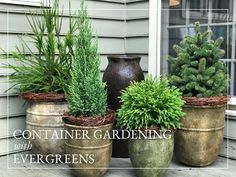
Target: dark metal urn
[(121, 70)]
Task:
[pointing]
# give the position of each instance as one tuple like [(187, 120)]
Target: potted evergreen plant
[(200, 74), (41, 76), (151, 106), (87, 106)]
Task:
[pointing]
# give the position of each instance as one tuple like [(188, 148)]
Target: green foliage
[(197, 70), (87, 92), (149, 103), (45, 67)]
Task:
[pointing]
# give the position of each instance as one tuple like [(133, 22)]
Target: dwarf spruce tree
[(197, 70), (87, 92)]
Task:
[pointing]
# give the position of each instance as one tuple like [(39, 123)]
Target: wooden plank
[(232, 105), (106, 45), (228, 148), (17, 23), (34, 3), (137, 10), (96, 9), (4, 85), (12, 106), (137, 45), (230, 127), (136, 28), (134, 1), (8, 145), (9, 125)]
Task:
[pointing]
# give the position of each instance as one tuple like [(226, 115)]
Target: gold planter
[(198, 141), (93, 151)]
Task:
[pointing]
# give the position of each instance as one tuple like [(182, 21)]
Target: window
[(219, 15)]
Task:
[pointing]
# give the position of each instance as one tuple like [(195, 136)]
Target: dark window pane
[(198, 11), (222, 11), (175, 36), (222, 31), (176, 13), (234, 81), (220, 6), (228, 64)]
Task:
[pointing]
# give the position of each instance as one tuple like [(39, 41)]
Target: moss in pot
[(151, 106)]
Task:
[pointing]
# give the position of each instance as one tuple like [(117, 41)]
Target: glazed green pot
[(151, 157)]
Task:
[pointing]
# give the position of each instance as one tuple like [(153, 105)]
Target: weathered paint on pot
[(151, 158), (45, 117), (98, 149), (199, 140)]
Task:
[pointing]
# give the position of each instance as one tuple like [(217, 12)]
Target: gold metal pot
[(93, 150), (198, 141)]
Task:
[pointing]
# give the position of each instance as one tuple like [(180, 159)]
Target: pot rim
[(206, 101), (88, 127), (107, 118), (172, 130), (125, 57), (43, 97), (204, 106)]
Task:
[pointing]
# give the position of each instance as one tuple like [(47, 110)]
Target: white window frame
[(36, 3), (154, 53)]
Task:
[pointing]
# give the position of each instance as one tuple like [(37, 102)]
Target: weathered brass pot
[(199, 140), (45, 119), (100, 149), (151, 157)]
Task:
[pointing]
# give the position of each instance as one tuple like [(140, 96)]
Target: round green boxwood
[(150, 103)]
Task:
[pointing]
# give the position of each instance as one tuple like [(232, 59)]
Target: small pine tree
[(197, 70), (87, 92), (45, 67)]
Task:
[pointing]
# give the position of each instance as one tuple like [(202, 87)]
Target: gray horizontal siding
[(137, 10), (14, 123), (229, 145), (228, 148), (137, 30), (11, 106), (96, 8), (18, 24), (113, 22), (137, 27), (8, 145)]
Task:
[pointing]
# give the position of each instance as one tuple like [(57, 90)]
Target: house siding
[(112, 23), (137, 30)]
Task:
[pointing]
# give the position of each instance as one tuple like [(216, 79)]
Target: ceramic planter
[(120, 72), (198, 141), (42, 118), (100, 149), (151, 157)]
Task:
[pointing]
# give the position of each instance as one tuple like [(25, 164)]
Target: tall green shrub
[(87, 92), (42, 63), (197, 70)]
